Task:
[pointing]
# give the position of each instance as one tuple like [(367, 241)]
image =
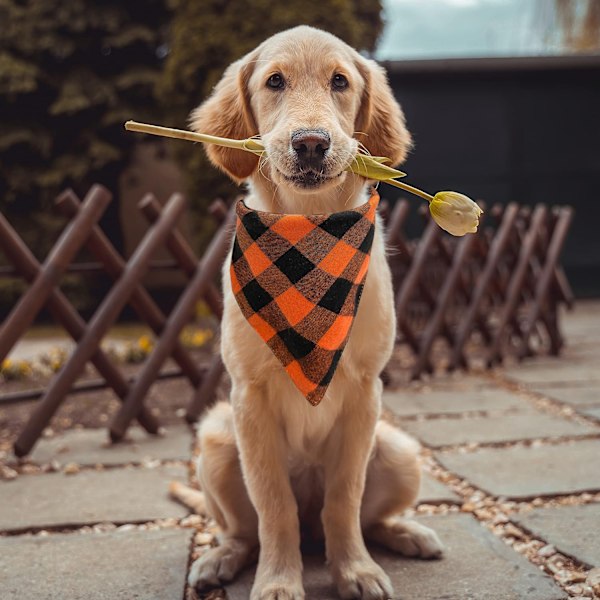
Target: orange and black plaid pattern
[(298, 281)]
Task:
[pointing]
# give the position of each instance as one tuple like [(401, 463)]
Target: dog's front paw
[(277, 591), (219, 565), (363, 580)]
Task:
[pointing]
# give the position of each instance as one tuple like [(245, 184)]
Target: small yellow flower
[(201, 337), (55, 359), (24, 368), (456, 213), (145, 344), (18, 369), (195, 338)]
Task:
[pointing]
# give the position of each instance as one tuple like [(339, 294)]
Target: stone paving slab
[(447, 431), (559, 371), (476, 566), (584, 321), (92, 446), (440, 402), (575, 395), (591, 412), (586, 347), (145, 565), (114, 495), (434, 492), (572, 530), (521, 472), (457, 381)]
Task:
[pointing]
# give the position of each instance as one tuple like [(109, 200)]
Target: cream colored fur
[(269, 460)]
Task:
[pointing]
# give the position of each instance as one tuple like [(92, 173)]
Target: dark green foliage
[(207, 36), (70, 74)]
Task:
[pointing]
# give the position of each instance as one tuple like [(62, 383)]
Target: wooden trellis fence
[(43, 289), (503, 285)]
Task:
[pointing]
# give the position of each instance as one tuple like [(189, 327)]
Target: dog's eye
[(276, 82), (339, 82)]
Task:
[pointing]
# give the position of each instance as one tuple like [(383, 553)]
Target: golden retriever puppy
[(270, 462)]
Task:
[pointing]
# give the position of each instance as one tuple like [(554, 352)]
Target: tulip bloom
[(455, 213)]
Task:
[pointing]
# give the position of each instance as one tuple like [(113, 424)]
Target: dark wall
[(502, 133)]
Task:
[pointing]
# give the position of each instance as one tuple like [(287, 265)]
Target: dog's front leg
[(355, 573), (264, 461)]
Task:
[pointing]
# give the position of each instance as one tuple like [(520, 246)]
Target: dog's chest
[(307, 428)]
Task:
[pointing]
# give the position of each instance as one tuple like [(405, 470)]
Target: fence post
[(517, 281), (181, 251), (544, 282), (24, 261), (436, 320), (205, 272), (102, 249), (411, 281), (54, 266), (103, 318), (494, 255), (204, 394)]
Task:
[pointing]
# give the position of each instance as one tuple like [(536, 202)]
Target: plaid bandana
[(298, 281)]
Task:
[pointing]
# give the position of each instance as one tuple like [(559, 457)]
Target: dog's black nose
[(310, 146)]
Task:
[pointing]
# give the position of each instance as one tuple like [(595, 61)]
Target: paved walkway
[(512, 486)]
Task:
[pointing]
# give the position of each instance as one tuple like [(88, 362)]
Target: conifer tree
[(70, 74), (205, 37)]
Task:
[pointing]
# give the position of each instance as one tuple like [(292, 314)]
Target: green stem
[(190, 136), (254, 146), (409, 188)]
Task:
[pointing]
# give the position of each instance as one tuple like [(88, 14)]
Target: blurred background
[(502, 97)]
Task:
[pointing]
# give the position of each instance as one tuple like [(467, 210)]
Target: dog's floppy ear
[(227, 113), (380, 123)]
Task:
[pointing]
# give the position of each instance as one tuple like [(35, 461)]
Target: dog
[(269, 461)]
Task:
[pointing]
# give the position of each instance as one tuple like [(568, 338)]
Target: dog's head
[(312, 99)]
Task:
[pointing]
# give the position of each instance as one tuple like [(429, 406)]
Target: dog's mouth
[(309, 179)]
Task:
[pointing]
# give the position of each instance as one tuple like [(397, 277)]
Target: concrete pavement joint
[(187, 522), (536, 443), (457, 416), (495, 513), (10, 471), (541, 401), (388, 415)]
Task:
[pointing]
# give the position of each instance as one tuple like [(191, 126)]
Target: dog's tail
[(193, 499)]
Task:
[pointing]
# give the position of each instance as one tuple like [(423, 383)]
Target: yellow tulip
[(455, 213)]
